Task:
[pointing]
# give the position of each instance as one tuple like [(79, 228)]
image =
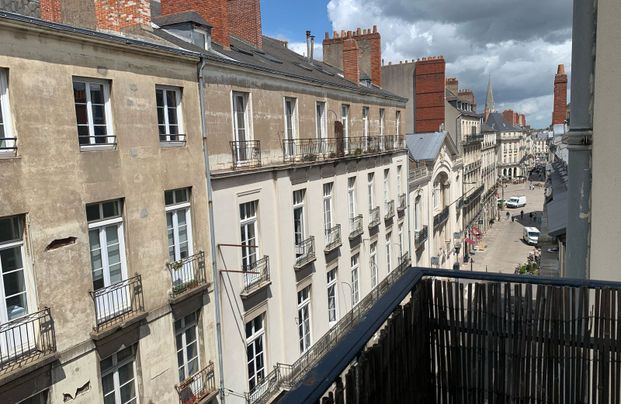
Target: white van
[(516, 201), (530, 235)]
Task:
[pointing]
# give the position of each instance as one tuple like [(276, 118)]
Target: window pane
[(11, 259), (97, 93), (159, 97), (14, 283), (10, 229), (128, 392), (81, 115), (16, 306), (99, 115), (79, 92), (171, 98), (110, 209), (181, 195), (126, 373), (172, 116), (107, 382)]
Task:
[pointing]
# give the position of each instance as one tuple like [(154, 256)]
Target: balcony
[(119, 304), (355, 227), (419, 173), (198, 387), (246, 153), (374, 217), (474, 195), (305, 253), (403, 203), (472, 167), (27, 341), (333, 239), (420, 236), (187, 276), (256, 276), (440, 218), (472, 139), (389, 209)]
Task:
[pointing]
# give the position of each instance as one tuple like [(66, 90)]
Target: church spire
[(489, 101)]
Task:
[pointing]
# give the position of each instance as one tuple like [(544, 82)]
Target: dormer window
[(202, 37)]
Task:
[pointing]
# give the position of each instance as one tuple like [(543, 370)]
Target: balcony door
[(298, 222), (179, 232), (290, 126), (249, 240), (241, 127)]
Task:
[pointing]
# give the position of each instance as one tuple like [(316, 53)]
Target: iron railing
[(420, 236), (271, 384), (333, 238), (472, 166), (389, 209), (374, 215), (26, 339), (96, 140), (187, 273), (172, 138), (256, 275), (246, 153), (355, 227), (305, 252), (441, 218), (198, 386), (473, 195), (117, 302), (403, 203), (419, 172), (8, 143)]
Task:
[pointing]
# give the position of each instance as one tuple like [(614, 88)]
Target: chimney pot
[(374, 29)]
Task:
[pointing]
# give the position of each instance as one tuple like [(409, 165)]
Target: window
[(107, 244), (321, 122), (371, 189), (436, 195), (241, 127), (398, 122), (345, 120), (381, 121), (351, 196), (13, 280), (417, 213), (249, 237), (186, 340), (169, 123), (365, 121), (93, 114), (255, 350), (398, 180), (332, 297), (327, 208), (7, 138), (386, 185), (304, 324), (178, 223), (291, 125), (388, 252), (118, 377), (298, 220), (355, 286), (400, 240), (373, 263)]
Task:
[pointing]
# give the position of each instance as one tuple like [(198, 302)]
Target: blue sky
[(289, 19)]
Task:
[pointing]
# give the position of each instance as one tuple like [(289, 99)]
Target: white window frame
[(258, 373), (114, 370), (4, 310), (174, 209), (382, 116), (371, 190), (398, 122), (355, 279), (305, 337), (328, 219), (386, 185), (169, 137), (333, 298), (246, 222), (389, 251), (373, 263), (321, 121), (294, 118), (417, 213), (345, 122), (365, 122), (110, 136), (9, 138), (400, 232), (185, 325), (299, 235), (351, 197), (248, 134), (399, 169)]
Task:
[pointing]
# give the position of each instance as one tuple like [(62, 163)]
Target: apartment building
[(104, 240), (511, 145)]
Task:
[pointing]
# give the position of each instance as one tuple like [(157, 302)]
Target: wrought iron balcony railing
[(256, 276), (473, 195), (355, 227), (403, 203), (117, 302), (26, 339), (246, 153), (389, 209), (172, 138), (441, 218), (305, 252), (374, 217), (420, 236), (198, 386), (7, 144), (187, 274), (419, 172), (333, 238)]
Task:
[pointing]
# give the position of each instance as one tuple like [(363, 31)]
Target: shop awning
[(470, 241)]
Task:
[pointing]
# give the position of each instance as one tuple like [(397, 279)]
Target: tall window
[(332, 297), (388, 252), (249, 236), (13, 280), (355, 284), (373, 263), (241, 126), (118, 377), (398, 180), (304, 321), (345, 119), (255, 350), (93, 112), (351, 196), (400, 240), (169, 123), (321, 121), (186, 340), (371, 189), (7, 137), (417, 213), (386, 185), (178, 223), (291, 125), (398, 123), (381, 121), (365, 121), (327, 207), (298, 220)]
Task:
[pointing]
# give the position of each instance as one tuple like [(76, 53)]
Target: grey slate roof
[(179, 18), (425, 146), (496, 123)]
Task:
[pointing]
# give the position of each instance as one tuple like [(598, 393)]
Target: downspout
[(212, 230), (579, 140)]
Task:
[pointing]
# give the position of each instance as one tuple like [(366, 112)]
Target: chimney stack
[(215, 12), (452, 84), (368, 42), (350, 60), (429, 84), (244, 21), (308, 46), (559, 114), (50, 10), (116, 15)]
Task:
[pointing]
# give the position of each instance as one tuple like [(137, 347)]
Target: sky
[(519, 43)]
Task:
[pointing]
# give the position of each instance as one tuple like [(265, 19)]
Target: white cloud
[(300, 48)]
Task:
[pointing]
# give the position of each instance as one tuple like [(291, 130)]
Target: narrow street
[(502, 248)]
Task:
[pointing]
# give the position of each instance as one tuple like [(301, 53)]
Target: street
[(502, 248)]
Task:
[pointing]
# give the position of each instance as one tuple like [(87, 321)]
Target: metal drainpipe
[(212, 230), (579, 140)]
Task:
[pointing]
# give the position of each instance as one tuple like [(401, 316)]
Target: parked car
[(516, 202), (530, 235)]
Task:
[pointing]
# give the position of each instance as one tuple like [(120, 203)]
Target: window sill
[(8, 154), (98, 147), (171, 144)]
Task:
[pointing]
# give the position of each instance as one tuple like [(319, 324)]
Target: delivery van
[(530, 235), (516, 202)]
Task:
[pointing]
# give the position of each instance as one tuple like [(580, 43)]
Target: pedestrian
[(512, 219), (530, 215), (508, 214), (521, 214)]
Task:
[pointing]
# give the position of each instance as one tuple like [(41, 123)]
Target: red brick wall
[(350, 60), (215, 12), (244, 20), (559, 114), (430, 84), (115, 15), (508, 114), (50, 10)]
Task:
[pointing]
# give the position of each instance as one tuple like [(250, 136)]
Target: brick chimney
[(429, 77), (452, 85), (468, 96), (509, 116), (351, 69), (50, 10), (116, 15), (559, 114), (215, 12), (244, 20)]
